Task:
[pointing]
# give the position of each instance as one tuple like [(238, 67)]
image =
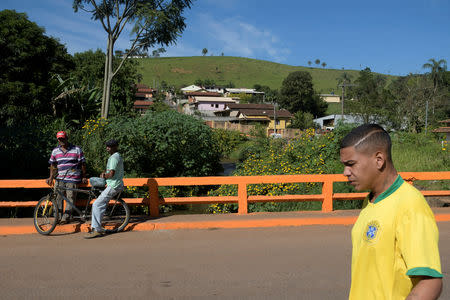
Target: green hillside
[(242, 72)]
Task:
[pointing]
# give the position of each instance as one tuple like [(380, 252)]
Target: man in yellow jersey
[(395, 239)]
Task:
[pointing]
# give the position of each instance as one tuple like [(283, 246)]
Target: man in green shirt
[(114, 185)]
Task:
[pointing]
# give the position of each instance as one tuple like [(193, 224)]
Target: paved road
[(308, 262)]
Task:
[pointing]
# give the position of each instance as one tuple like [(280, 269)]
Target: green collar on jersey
[(397, 183)]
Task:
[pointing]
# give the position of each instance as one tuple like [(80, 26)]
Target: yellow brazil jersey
[(395, 237)]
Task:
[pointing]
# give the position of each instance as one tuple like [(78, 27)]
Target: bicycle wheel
[(45, 214), (117, 215)]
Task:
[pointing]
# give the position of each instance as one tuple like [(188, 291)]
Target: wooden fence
[(242, 199)]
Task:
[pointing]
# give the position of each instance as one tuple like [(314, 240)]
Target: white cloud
[(236, 37)]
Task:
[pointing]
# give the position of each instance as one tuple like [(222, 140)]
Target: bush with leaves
[(25, 149), (307, 154), (158, 144), (228, 140)]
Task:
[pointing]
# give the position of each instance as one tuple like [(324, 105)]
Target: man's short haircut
[(112, 143), (368, 137)]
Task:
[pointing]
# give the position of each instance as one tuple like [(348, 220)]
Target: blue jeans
[(99, 206)]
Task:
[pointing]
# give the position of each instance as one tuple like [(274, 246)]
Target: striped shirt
[(68, 163)]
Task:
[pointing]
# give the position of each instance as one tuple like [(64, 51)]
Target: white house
[(191, 88)]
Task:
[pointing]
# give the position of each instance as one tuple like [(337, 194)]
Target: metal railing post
[(242, 198), (327, 192), (153, 203)]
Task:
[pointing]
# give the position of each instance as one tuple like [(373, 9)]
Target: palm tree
[(317, 61), (204, 51), (324, 64), (309, 63), (437, 70)]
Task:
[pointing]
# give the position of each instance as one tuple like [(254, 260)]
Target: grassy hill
[(242, 72)]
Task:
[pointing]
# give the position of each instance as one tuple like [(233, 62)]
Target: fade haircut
[(368, 138)]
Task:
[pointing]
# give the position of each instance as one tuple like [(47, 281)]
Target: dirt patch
[(181, 71)]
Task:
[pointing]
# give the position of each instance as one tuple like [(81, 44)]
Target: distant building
[(330, 98), (192, 95), (210, 104), (143, 98), (329, 122), (191, 88), (444, 129), (251, 113), (242, 91), (141, 106)]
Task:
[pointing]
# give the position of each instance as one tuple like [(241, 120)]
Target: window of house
[(217, 105)]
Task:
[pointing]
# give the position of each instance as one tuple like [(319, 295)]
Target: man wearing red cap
[(69, 160)]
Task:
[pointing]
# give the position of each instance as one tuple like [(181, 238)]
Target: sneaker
[(65, 218), (94, 234)]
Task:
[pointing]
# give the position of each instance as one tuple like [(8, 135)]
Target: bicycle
[(47, 211)]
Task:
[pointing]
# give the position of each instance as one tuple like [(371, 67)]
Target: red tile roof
[(269, 112), (250, 106), (442, 130), (211, 94), (142, 103)]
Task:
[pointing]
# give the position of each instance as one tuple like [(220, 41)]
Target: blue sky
[(392, 37)]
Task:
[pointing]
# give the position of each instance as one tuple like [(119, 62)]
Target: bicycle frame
[(90, 193), (59, 191)]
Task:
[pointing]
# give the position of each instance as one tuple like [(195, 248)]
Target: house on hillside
[(191, 96), (237, 91), (329, 122), (206, 105), (191, 88), (252, 113), (444, 129), (143, 98), (330, 98), (144, 92)]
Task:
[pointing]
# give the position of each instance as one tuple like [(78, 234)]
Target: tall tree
[(368, 102), (317, 61), (89, 66), (297, 94), (324, 64), (154, 22), (437, 71), (28, 60), (344, 78), (204, 51), (410, 94)]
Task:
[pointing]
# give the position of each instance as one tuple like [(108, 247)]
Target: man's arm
[(49, 180), (428, 288), (108, 174), (83, 173)]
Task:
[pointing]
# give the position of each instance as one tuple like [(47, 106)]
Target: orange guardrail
[(242, 199)]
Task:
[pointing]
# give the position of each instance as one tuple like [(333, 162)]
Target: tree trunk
[(110, 77), (105, 80)]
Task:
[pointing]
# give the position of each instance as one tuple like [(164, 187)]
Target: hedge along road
[(308, 262)]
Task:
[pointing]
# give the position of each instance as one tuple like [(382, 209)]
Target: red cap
[(61, 135)]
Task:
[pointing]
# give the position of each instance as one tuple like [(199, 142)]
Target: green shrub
[(25, 149), (306, 154), (158, 144), (227, 141)]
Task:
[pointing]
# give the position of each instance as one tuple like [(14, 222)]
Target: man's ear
[(380, 160)]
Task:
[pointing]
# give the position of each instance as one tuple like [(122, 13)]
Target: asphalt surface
[(306, 262)]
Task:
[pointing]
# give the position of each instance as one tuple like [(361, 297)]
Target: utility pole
[(274, 119), (343, 85), (426, 116)]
